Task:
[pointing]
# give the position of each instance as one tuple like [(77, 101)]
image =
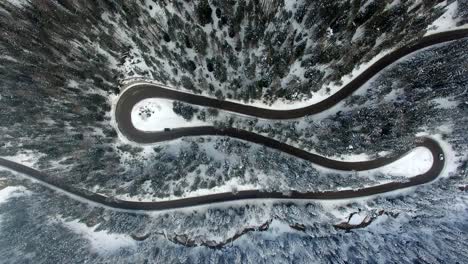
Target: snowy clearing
[(100, 241), (445, 103), (357, 219), (155, 114), (19, 3), (452, 158), (11, 192), (26, 157), (416, 162), (447, 21)]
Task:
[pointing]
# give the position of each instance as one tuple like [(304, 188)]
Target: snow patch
[(445, 103), (101, 241), (357, 219), (416, 162), (19, 3), (365, 5), (359, 33), (155, 114), (447, 21), (11, 192), (452, 158), (26, 157), (445, 128), (6, 57), (392, 4), (352, 157), (72, 84)]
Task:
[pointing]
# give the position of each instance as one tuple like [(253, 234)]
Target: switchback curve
[(430, 175), (138, 92), (135, 92)]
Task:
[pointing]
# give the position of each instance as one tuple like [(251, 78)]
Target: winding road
[(138, 91)]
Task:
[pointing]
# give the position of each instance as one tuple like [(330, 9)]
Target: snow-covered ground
[(357, 219), (352, 157), (448, 21), (445, 103), (452, 159), (156, 114), (26, 157), (19, 3), (233, 185), (418, 161), (100, 241), (11, 192)]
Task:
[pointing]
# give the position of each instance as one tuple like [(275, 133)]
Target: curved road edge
[(141, 90), (426, 177), (138, 92)]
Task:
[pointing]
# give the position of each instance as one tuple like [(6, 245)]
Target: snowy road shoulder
[(416, 162)]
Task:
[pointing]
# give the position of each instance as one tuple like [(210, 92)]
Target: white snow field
[(418, 161), (415, 162), (25, 157), (155, 114), (101, 242), (11, 192), (447, 21), (357, 219)]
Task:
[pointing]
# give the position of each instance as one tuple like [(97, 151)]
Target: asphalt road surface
[(430, 175), (136, 92)]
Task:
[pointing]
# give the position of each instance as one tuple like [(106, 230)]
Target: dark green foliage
[(203, 11), (184, 110)]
